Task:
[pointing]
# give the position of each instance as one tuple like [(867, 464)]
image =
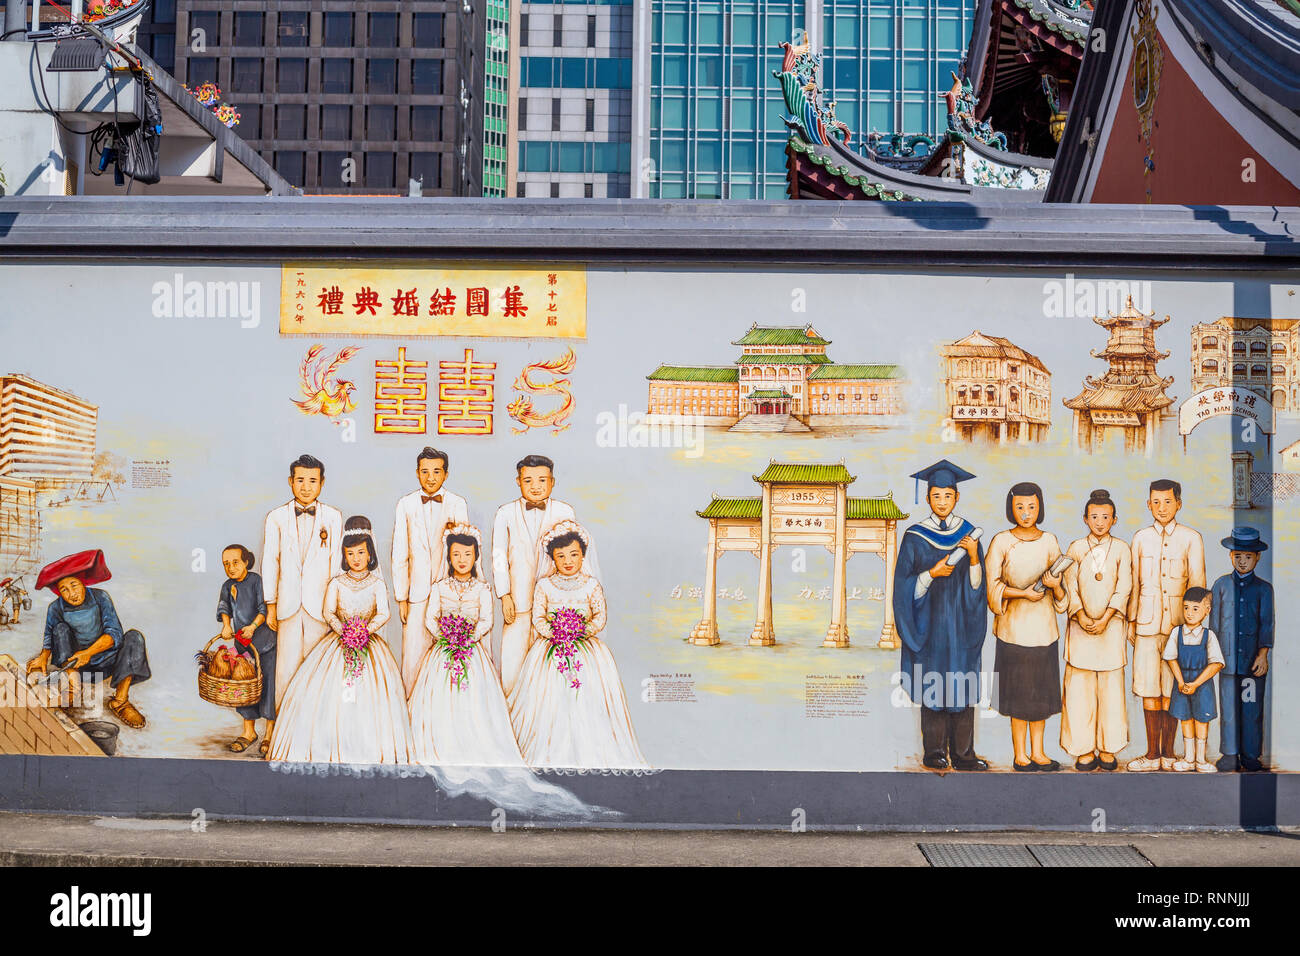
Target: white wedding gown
[(321, 719), (469, 724), (560, 726)]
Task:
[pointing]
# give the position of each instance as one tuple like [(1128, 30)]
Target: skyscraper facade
[(342, 95), (709, 120), (574, 99)]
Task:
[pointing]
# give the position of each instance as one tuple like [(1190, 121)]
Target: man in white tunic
[(1168, 558), (418, 556), (302, 549), (1094, 716), (517, 533)]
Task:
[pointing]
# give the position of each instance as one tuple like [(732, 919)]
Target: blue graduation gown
[(943, 632)]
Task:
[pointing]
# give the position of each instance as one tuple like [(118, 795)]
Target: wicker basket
[(231, 693)]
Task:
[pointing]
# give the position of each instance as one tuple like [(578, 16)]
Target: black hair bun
[(1099, 494), (357, 523)]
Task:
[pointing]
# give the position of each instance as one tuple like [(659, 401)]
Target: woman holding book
[(1024, 569)]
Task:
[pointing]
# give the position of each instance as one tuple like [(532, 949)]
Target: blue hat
[(1244, 539), (942, 474)]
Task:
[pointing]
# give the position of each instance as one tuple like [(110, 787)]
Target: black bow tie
[(299, 512), (425, 499)]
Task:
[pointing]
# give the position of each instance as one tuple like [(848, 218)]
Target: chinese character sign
[(524, 301)]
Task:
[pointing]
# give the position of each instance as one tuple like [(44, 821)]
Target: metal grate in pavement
[(1015, 854), (1058, 854), (977, 854)]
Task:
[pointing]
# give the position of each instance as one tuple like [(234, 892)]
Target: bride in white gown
[(330, 712), (571, 711), (458, 713)]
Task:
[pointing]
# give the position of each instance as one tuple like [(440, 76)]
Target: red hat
[(5, 582), (86, 566)]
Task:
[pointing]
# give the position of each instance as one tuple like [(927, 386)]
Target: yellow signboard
[(441, 299)]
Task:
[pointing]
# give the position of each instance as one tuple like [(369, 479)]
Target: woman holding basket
[(241, 610)]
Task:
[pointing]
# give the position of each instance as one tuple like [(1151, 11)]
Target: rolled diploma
[(957, 554)]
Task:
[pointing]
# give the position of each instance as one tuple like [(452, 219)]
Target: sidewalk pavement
[(56, 840)]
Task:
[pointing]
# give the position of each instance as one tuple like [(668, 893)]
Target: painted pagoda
[(1130, 397)]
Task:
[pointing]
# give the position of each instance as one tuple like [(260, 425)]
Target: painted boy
[(302, 550), (1243, 618), (83, 634), (1168, 558), (1193, 656), (940, 609)]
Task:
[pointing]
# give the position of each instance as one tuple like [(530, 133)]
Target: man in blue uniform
[(941, 611), (1242, 619)]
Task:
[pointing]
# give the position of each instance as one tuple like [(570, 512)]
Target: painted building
[(995, 389), (574, 99), (1261, 354), (45, 433), (782, 371), (709, 121), (1291, 457), (20, 525)]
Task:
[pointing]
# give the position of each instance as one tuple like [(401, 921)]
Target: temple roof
[(765, 393), (846, 372), (1126, 398), (772, 358), (858, 509), (696, 373), (781, 335), (806, 474)]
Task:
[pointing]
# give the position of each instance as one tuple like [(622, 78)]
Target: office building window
[(201, 70), (246, 74), (205, 30), (557, 31), (336, 76), (164, 11), (291, 122), (383, 31), (248, 28), (426, 77), (555, 116), (336, 121), (291, 166), (380, 170), (523, 30), (337, 29), (426, 30), (426, 123), (555, 190), (427, 167), (591, 31), (291, 75), (250, 121), (381, 122), (292, 29), (381, 76), (523, 113), (591, 115), (164, 51), (587, 190), (332, 166), (519, 190)]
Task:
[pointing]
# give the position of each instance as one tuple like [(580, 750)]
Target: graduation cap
[(89, 567), (942, 474)]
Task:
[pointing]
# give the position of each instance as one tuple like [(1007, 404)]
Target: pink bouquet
[(356, 647), (456, 641), (568, 634)]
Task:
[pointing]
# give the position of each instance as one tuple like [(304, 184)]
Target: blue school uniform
[(1192, 660), (244, 601)]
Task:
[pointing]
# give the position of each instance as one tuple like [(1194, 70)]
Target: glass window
[(674, 156), (846, 73), (591, 30), (776, 191), (673, 115), (774, 156), (914, 33), (250, 122), (573, 73), (742, 190), (246, 75), (291, 75), (428, 168), (914, 118), (336, 76), (743, 29), (291, 122), (292, 29), (675, 70), (710, 28), (427, 30), (426, 123), (380, 170), (778, 28), (332, 165), (742, 71), (164, 51), (742, 157), (248, 28), (291, 166), (381, 77), (948, 34), (846, 111), (381, 122), (880, 74), (426, 76), (201, 70), (591, 115), (742, 113), (674, 28), (571, 157), (209, 23), (337, 29), (336, 121), (881, 32), (846, 32), (383, 30), (914, 74), (708, 113), (881, 116), (709, 70), (523, 29), (164, 11)]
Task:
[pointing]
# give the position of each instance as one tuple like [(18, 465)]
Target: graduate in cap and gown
[(83, 634), (941, 611)]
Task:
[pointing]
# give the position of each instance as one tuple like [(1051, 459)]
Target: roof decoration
[(961, 115), (798, 76)]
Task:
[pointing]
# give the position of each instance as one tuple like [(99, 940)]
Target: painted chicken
[(521, 409), (322, 393)]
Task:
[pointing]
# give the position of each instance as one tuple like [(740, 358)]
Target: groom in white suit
[(302, 550), (517, 557), (418, 555)]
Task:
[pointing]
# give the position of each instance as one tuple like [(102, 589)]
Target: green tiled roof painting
[(785, 335), (694, 373), (857, 372), (733, 508), (812, 474), (874, 508), (783, 360)]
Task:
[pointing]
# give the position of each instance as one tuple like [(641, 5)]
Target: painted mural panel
[(493, 517)]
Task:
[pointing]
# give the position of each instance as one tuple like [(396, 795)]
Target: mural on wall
[(481, 582)]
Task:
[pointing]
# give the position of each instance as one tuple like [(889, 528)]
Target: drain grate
[(977, 854), (1058, 854), (1015, 854)]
